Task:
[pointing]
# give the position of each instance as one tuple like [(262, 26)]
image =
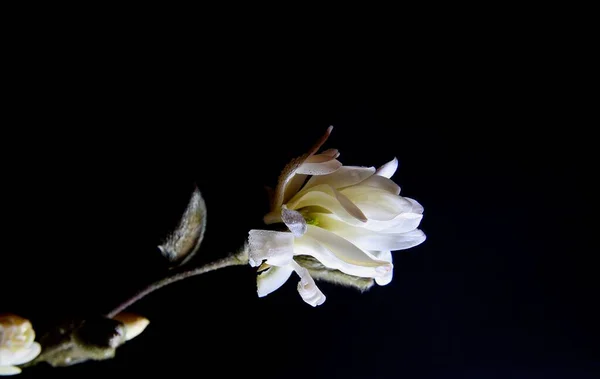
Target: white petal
[(9, 370), (384, 256), (291, 168), (383, 183), (272, 278), (345, 176), (388, 169), (307, 287), (404, 222), (337, 253), (369, 239), (350, 207), (416, 207), (293, 186), (378, 204), (377, 212), (327, 197), (294, 221), (322, 168), (277, 248), (28, 354)]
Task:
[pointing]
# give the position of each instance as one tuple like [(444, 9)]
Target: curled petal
[(404, 222), (384, 256), (294, 186), (381, 182), (294, 221), (378, 204), (320, 272), (416, 207), (277, 248), (344, 177), (350, 207), (388, 169), (332, 153), (322, 168), (319, 158), (291, 168), (327, 197), (379, 197), (369, 239), (307, 288), (337, 253), (272, 278)]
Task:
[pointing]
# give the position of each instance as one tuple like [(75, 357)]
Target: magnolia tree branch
[(232, 260)]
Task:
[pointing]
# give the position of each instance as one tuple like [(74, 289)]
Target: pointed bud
[(134, 324), (183, 243)]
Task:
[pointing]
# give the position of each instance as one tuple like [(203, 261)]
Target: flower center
[(311, 220)]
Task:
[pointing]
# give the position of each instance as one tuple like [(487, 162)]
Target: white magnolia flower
[(346, 217), (17, 345)]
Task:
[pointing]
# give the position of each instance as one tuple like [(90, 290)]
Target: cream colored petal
[(404, 222), (388, 169), (293, 186), (385, 210), (384, 256), (322, 168), (272, 278), (337, 253), (331, 152), (350, 207), (290, 169), (27, 354), (319, 158), (317, 199), (416, 207), (277, 248), (9, 370), (327, 197), (294, 221), (307, 288), (390, 205), (383, 183), (377, 212), (369, 239), (344, 177)]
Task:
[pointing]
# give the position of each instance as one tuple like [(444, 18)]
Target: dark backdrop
[(99, 162)]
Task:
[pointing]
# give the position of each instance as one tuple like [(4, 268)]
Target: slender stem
[(231, 260)]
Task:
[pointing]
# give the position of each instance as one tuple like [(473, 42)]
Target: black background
[(100, 154)]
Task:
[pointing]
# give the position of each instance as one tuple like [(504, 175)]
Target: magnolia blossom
[(17, 344), (348, 218)]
